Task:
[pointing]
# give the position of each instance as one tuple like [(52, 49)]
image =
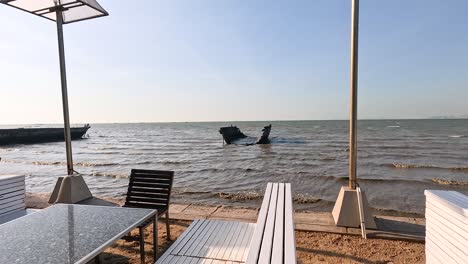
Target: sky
[(211, 60)]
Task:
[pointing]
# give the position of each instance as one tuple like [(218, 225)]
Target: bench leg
[(168, 228), (97, 260), (155, 237), (142, 245)]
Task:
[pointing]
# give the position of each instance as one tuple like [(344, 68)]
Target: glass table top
[(66, 233)]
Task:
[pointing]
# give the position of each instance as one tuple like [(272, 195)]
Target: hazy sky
[(209, 60)]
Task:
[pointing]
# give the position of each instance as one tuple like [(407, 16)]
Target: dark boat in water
[(233, 133), (39, 135), (264, 138)]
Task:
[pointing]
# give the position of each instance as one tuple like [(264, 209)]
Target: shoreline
[(390, 227)]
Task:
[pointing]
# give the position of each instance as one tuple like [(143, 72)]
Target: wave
[(394, 126), (456, 136), (221, 170), (90, 164), (416, 166), (111, 175), (449, 182), (78, 164), (243, 196), (48, 163)]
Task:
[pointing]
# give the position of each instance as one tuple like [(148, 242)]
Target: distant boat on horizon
[(39, 135)]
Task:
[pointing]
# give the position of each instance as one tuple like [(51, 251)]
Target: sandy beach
[(312, 247)]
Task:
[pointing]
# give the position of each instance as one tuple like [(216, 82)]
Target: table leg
[(142, 245), (155, 237)]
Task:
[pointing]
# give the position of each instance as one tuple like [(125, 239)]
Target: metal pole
[(354, 90), (63, 75)]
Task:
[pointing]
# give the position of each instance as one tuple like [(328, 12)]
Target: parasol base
[(70, 189), (346, 210)]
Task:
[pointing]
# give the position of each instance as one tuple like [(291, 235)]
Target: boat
[(233, 133), (39, 135), (264, 138)]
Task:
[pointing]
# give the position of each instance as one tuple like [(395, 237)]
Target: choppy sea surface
[(397, 161)]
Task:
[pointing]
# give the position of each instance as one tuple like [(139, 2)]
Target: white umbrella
[(62, 12)]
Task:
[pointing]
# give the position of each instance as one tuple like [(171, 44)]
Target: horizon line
[(218, 121)]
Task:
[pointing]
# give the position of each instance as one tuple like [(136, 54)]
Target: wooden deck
[(211, 241)]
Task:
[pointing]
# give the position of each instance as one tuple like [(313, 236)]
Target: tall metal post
[(63, 75), (354, 92)]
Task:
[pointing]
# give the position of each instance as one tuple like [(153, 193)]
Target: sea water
[(397, 161)]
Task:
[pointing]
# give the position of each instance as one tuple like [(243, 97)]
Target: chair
[(150, 189)]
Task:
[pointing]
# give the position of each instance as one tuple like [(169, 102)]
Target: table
[(66, 233)]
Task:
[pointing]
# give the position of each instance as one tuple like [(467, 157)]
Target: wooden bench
[(270, 240), (446, 227), (12, 198)]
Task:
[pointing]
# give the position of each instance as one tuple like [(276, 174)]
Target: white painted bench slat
[(15, 195), (4, 180), (277, 244), (268, 232), (446, 245), (11, 189), (289, 240), (447, 213), (278, 239), (436, 247), (446, 227), (258, 233), (443, 225)]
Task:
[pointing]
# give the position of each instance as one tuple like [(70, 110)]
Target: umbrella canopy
[(72, 10)]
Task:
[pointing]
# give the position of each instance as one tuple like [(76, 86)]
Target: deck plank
[(200, 249), (219, 236), (217, 248), (239, 248), (246, 243), (187, 233), (231, 235), (195, 236)]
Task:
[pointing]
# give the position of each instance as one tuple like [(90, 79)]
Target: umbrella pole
[(347, 210), (354, 88), (63, 76)]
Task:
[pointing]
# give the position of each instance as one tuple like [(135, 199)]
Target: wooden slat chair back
[(12, 195), (150, 189), (273, 239)]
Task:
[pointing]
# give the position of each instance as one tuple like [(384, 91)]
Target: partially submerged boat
[(39, 135), (233, 133), (264, 138)]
